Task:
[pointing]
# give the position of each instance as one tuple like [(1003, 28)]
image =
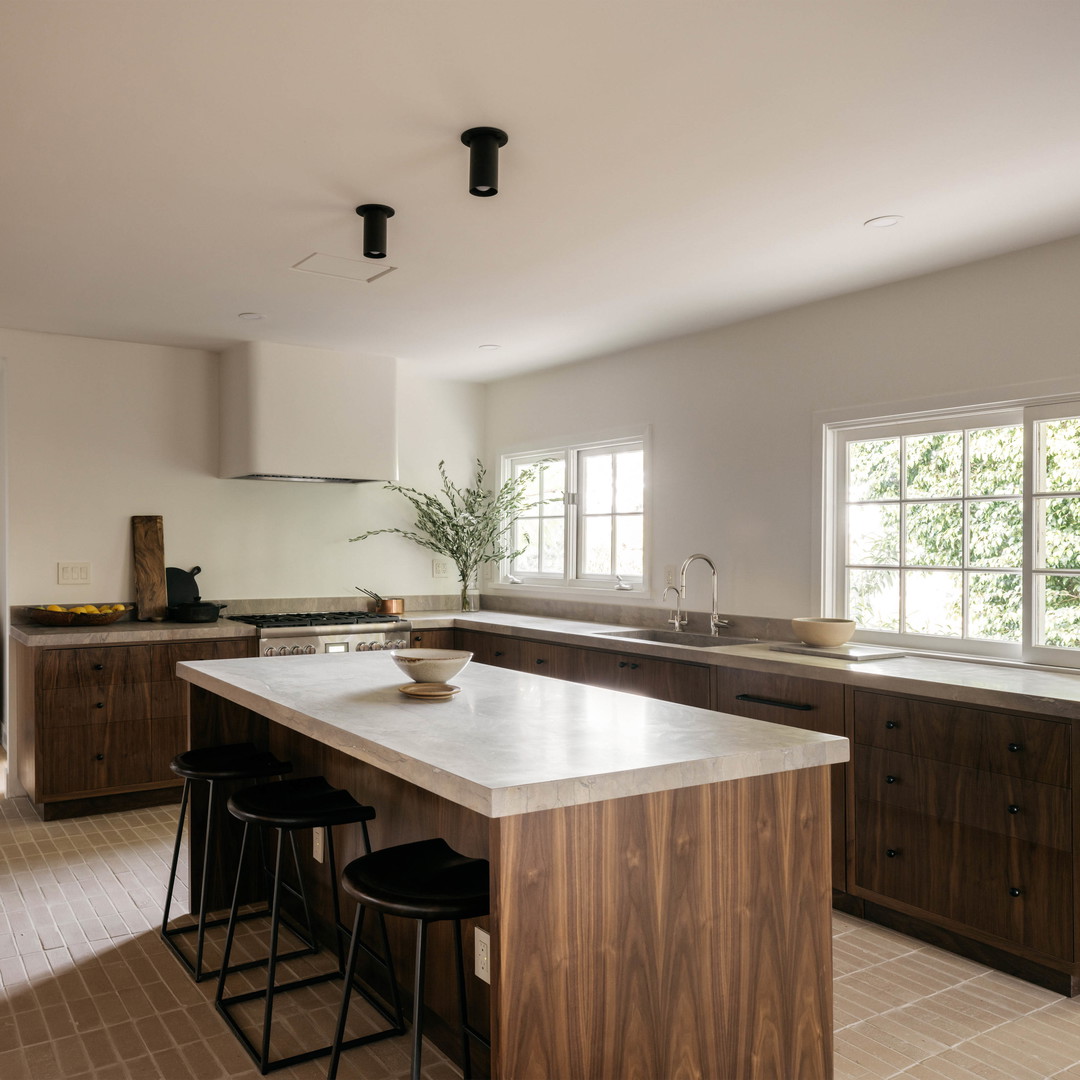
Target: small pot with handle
[(185, 604)]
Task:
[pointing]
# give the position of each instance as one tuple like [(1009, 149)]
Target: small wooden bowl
[(44, 617)]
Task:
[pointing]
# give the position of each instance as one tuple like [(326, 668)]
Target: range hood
[(294, 413)]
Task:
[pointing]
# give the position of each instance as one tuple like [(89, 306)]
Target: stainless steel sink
[(672, 637)]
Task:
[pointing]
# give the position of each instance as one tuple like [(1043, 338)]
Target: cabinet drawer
[(1021, 809), (94, 667), (97, 705), (1022, 746), (781, 699), (431, 639), (494, 649), (164, 658), (666, 680), (1015, 890), (93, 757)]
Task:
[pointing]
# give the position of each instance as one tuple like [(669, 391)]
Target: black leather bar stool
[(430, 882), (289, 805), (212, 765)]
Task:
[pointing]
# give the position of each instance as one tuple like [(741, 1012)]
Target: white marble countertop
[(510, 742)]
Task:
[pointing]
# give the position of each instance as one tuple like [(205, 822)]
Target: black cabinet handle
[(418, 637), (890, 779), (98, 667), (99, 705), (890, 724), (891, 852), (101, 757), (540, 661), (626, 663), (623, 663), (1014, 892), (1013, 808), (634, 667), (498, 653), (1015, 747), (769, 701)]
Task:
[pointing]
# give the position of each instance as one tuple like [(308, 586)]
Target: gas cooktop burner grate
[(316, 618)]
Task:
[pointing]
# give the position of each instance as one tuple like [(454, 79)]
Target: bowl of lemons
[(80, 615)]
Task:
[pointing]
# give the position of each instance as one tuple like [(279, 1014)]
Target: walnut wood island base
[(660, 874)]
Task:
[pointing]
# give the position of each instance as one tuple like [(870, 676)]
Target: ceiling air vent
[(335, 266)]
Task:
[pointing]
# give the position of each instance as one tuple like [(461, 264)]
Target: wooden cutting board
[(148, 538)]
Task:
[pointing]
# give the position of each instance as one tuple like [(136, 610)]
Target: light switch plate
[(73, 573)]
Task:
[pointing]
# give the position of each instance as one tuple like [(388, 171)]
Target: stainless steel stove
[(300, 633)]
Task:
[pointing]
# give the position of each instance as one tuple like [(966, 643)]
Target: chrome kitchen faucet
[(715, 622)]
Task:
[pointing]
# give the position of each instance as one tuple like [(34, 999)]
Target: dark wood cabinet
[(965, 817), (799, 702), (495, 649), (687, 684), (431, 639), (99, 725)]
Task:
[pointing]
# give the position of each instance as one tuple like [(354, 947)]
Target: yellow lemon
[(54, 607)]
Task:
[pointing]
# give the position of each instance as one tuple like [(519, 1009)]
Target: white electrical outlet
[(440, 568), (318, 844), (482, 954), (669, 575), (73, 573)]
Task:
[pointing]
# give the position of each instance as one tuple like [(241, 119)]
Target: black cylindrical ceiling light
[(483, 144), (375, 215)]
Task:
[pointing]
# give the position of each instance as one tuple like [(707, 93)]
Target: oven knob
[(297, 650), (283, 651), (401, 643), (309, 649), (268, 651), (362, 646), (375, 645)]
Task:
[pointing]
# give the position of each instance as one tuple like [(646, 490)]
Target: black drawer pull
[(100, 757), (541, 661), (769, 701), (890, 724), (498, 652), (418, 637), (1015, 747), (890, 779), (98, 667), (1014, 892), (623, 663), (891, 852), (1013, 808), (99, 704)]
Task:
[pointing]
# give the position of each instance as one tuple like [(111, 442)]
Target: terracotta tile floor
[(88, 991)]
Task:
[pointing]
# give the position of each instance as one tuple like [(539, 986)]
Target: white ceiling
[(672, 166)]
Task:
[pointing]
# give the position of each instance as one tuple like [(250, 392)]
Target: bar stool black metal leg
[(175, 856), (271, 965), (232, 921), (463, 1005), (339, 930), (418, 997), (350, 967), (207, 843), (301, 891)]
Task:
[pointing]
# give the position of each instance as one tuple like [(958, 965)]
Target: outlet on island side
[(482, 954), (318, 844)]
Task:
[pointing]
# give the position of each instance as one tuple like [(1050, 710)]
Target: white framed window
[(959, 531), (587, 529)]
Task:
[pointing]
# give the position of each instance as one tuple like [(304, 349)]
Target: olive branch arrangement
[(470, 526)]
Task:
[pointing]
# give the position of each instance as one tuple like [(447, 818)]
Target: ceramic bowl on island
[(826, 632), (430, 665)]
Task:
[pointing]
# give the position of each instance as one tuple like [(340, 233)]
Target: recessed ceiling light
[(884, 222), (250, 315), (489, 346)]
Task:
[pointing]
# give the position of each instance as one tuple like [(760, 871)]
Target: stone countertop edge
[(127, 632), (1054, 693), (479, 758)]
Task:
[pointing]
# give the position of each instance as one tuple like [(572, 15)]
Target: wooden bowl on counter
[(45, 617)]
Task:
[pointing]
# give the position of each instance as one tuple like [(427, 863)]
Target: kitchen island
[(659, 873)]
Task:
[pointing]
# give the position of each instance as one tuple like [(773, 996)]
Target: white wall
[(732, 410), (100, 430)]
